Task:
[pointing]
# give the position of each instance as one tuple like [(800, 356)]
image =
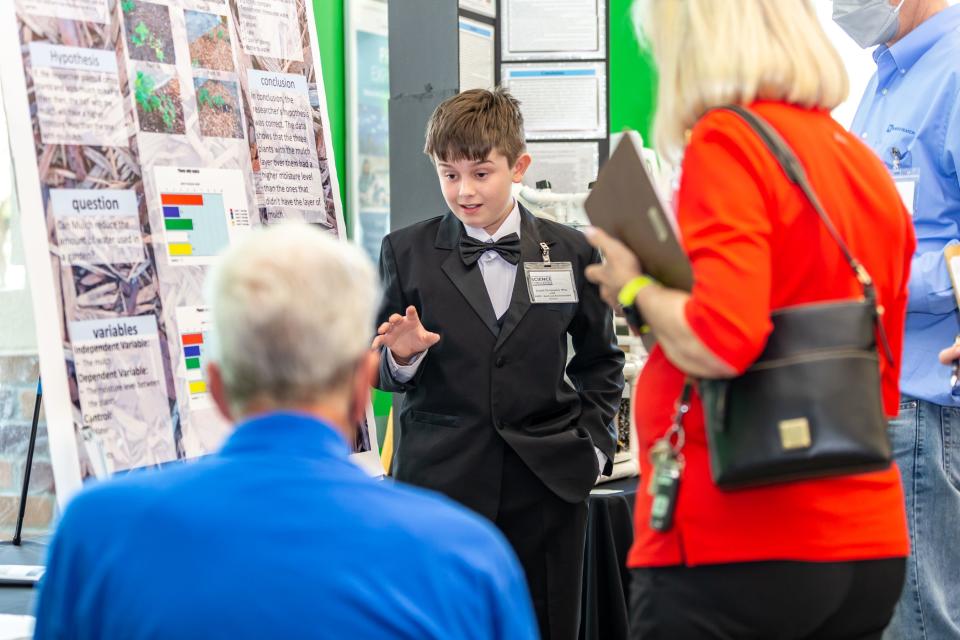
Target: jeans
[(926, 447)]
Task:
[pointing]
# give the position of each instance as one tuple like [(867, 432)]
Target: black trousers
[(547, 535), (768, 600)]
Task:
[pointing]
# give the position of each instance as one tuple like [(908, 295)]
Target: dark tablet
[(625, 204)]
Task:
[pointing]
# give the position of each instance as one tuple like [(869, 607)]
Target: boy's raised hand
[(405, 336)]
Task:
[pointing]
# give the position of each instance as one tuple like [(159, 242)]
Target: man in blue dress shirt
[(910, 115), (279, 535)]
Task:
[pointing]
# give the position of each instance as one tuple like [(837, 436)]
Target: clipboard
[(624, 203)]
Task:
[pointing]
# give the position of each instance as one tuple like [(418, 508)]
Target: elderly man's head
[(292, 310)]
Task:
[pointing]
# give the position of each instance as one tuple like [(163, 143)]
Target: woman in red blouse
[(818, 558)]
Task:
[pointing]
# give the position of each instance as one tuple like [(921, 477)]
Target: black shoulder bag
[(810, 406)]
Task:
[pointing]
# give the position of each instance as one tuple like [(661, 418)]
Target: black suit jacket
[(483, 383)]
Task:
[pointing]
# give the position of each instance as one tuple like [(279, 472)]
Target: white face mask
[(868, 22)]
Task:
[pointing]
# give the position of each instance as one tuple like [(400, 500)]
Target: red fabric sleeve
[(726, 231)]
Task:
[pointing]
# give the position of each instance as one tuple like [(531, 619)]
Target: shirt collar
[(299, 435), (905, 52), (510, 225)]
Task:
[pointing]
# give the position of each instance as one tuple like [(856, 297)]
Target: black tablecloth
[(20, 600), (606, 581)]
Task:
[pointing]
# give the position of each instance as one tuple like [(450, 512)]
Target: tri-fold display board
[(147, 136)]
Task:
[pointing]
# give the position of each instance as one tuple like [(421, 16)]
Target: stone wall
[(18, 386)]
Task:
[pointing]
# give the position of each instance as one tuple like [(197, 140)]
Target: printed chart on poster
[(204, 211), (150, 135), (194, 329)]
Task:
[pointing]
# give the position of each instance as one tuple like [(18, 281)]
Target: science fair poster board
[(478, 68), (561, 100), (553, 30), (486, 8), (148, 136)]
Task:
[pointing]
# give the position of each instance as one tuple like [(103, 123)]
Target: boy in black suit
[(477, 310)]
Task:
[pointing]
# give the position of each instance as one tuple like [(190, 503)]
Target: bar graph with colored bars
[(195, 223), (193, 347)]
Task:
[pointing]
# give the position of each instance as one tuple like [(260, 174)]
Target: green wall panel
[(329, 16), (633, 78)]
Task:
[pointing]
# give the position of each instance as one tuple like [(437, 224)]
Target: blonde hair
[(717, 52)]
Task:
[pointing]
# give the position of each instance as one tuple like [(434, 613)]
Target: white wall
[(859, 62)]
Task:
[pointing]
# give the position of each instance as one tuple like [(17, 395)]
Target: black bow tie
[(508, 247)]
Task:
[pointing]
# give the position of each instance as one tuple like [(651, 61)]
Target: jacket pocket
[(435, 418)]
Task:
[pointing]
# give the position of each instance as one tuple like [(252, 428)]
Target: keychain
[(667, 459)]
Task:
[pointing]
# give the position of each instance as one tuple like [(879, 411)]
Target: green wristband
[(628, 294)]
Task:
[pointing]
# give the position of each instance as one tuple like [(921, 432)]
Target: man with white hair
[(278, 535), (910, 116)]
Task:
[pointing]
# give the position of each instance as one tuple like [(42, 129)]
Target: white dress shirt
[(498, 276)]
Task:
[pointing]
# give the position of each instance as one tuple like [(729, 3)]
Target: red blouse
[(757, 245)]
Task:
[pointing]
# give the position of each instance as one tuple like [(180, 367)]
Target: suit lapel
[(468, 280), (529, 252)]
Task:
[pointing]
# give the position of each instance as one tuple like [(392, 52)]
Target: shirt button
[(902, 71), (864, 135), (500, 424), (884, 92)]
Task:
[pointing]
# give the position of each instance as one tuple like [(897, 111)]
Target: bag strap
[(796, 174)]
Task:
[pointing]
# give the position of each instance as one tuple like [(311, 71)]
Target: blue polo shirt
[(912, 104), (277, 536)]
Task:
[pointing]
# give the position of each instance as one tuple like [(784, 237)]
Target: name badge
[(550, 282), (907, 188), (906, 182)]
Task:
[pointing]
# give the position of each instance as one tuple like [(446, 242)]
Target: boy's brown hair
[(473, 123)]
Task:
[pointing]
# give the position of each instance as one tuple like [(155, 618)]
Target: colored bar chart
[(196, 224), (203, 211), (193, 330), (192, 357)]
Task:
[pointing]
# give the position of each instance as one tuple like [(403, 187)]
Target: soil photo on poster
[(209, 41), (159, 107), (149, 37), (219, 107)]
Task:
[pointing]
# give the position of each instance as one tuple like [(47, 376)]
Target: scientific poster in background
[(368, 122), (477, 55), (562, 100), (148, 136), (570, 167), (483, 7), (553, 30)]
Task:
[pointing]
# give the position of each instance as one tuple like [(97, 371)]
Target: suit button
[(499, 362), (500, 424)]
